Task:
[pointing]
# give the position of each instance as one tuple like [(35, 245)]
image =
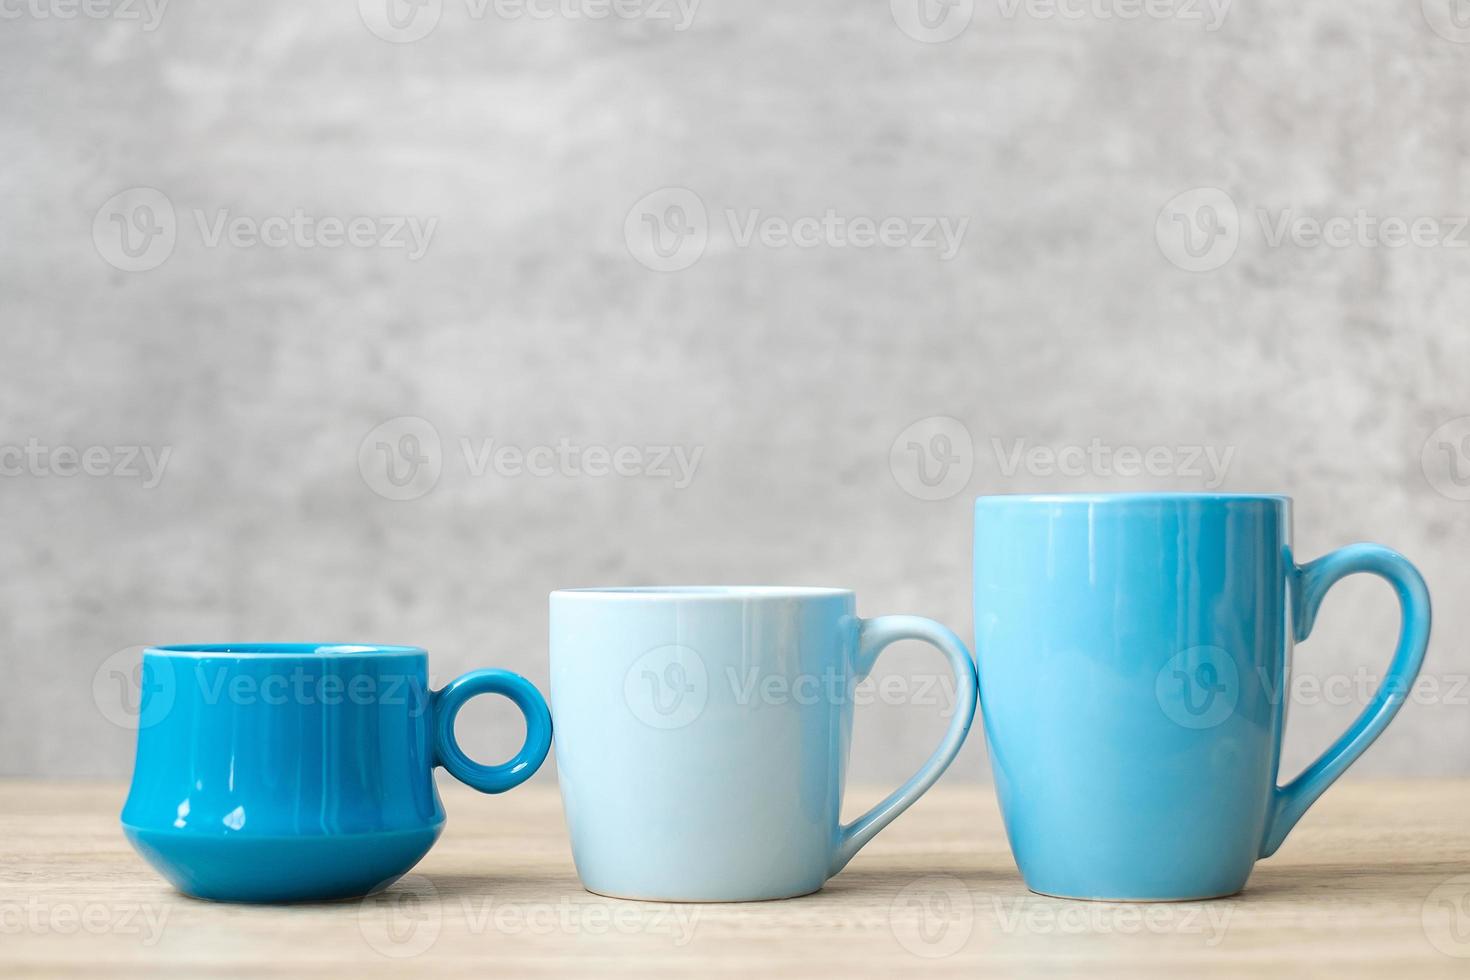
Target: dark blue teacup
[(281, 772)]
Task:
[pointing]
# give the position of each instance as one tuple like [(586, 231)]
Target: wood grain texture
[(1369, 885)]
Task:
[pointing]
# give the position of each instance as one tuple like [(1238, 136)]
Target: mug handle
[(445, 705), (1309, 584), (873, 636)]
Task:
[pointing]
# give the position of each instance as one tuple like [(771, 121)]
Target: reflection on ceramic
[(702, 735), (295, 772), (1133, 655)]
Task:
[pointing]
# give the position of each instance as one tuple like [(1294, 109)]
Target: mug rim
[(1136, 497), (258, 650), (651, 593)]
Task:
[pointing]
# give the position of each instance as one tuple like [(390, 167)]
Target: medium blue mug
[(702, 735), (284, 772), (1133, 654)]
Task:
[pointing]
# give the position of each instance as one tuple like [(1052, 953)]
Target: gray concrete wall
[(608, 212)]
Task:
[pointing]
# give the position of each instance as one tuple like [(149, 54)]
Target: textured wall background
[(558, 158)]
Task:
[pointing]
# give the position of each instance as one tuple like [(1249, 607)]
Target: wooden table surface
[(1374, 882)]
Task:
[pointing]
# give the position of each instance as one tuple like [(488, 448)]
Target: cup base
[(701, 901), (1132, 900), (256, 870)]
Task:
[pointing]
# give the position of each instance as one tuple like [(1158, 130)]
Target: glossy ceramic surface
[(702, 736), (293, 772), (1133, 657)]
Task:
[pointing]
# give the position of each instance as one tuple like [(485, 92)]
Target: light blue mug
[(1134, 656), (287, 772), (702, 736)]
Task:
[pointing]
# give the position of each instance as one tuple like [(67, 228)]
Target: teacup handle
[(873, 636), (445, 705), (1309, 585)]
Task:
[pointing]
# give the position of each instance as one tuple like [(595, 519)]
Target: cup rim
[(693, 593), (241, 651), (1138, 497)]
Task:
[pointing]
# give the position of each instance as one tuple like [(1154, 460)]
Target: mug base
[(700, 901), (1132, 900), (308, 868)]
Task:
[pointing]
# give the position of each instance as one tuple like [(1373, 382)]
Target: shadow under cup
[(295, 772)]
